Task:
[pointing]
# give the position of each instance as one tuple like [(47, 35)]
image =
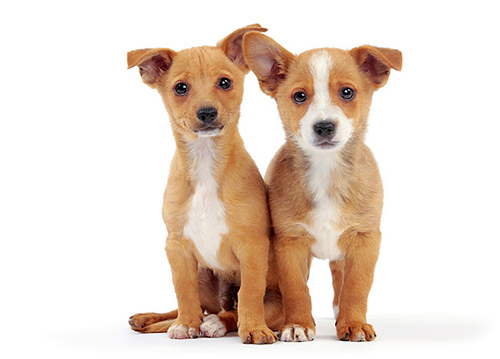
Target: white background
[(85, 149)]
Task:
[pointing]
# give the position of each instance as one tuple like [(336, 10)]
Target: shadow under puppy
[(325, 191), (215, 204)]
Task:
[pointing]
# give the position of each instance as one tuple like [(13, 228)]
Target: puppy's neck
[(326, 167), (202, 156)]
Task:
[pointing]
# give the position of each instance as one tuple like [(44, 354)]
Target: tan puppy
[(215, 205), (325, 191)]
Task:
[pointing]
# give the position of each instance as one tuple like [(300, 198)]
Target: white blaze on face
[(321, 107)]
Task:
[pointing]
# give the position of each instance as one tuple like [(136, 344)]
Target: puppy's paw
[(212, 327), (144, 322), (260, 335), (181, 331), (296, 333), (355, 332)]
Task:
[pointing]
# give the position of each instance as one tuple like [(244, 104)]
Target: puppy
[(325, 191), (215, 204)]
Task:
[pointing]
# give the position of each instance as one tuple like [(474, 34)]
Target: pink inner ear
[(153, 68), (266, 64), (235, 51), (375, 68)]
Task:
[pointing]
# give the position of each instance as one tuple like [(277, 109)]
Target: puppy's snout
[(325, 129), (207, 114)]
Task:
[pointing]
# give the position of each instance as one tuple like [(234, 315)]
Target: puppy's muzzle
[(209, 127), (324, 134)]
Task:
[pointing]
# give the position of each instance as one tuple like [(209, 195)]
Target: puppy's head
[(323, 95), (201, 87)]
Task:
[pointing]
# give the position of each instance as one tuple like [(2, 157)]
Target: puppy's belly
[(206, 222)]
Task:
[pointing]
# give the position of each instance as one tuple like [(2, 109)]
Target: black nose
[(325, 129), (207, 114)]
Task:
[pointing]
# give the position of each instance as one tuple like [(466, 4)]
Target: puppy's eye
[(225, 83), (299, 97), (181, 89), (347, 93)]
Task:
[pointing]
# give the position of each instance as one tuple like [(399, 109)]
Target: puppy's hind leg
[(273, 310), (160, 322), (226, 321), (218, 295), (218, 325), (152, 322)]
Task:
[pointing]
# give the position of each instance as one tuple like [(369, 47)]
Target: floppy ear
[(232, 45), (152, 63), (267, 59), (376, 62)]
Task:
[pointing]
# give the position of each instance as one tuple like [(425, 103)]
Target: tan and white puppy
[(325, 191), (215, 205)]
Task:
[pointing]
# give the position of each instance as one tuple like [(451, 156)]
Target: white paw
[(297, 334), (180, 331), (212, 327)]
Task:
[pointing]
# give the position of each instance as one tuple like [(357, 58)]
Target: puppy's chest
[(325, 217), (206, 215)]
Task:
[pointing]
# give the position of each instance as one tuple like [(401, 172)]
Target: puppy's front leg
[(293, 261), (359, 267), (252, 327), (184, 268)]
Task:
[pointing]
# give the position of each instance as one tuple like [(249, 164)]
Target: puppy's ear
[(376, 62), (232, 45), (152, 63), (267, 59)]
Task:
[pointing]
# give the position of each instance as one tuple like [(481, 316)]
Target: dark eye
[(299, 97), (181, 89), (347, 93), (225, 83)]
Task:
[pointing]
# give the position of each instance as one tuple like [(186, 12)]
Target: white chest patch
[(206, 217), (325, 216)]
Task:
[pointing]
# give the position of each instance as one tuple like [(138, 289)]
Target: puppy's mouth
[(209, 131), (325, 144)]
